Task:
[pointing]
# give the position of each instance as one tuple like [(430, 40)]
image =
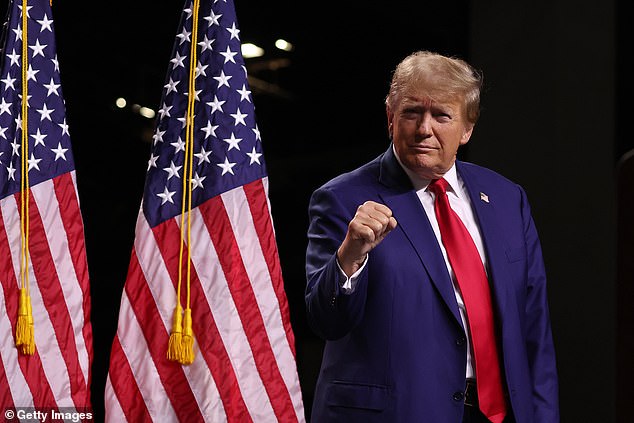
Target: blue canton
[(49, 147), (226, 142)]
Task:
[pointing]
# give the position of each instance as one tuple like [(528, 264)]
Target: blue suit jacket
[(395, 348)]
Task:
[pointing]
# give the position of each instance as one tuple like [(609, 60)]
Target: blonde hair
[(440, 77)]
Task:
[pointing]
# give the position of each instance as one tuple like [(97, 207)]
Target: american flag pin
[(484, 197)]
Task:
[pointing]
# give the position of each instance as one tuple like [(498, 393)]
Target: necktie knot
[(438, 186)]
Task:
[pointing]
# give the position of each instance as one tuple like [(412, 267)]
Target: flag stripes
[(237, 310), (257, 199), (64, 188), (59, 298), (234, 237), (209, 337)]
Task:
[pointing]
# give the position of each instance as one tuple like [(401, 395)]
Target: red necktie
[(474, 287)]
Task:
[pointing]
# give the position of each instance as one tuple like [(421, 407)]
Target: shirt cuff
[(348, 284)]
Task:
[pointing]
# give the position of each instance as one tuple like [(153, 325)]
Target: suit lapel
[(412, 220), (484, 207)]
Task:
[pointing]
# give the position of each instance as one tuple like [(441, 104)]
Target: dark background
[(555, 119)]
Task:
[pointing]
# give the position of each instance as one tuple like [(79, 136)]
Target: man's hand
[(369, 226)]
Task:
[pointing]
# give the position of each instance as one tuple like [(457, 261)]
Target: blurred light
[(147, 112), (120, 102), (251, 50), (283, 45)]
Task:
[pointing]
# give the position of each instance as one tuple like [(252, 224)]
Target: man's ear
[(466, 135), (390, 119)]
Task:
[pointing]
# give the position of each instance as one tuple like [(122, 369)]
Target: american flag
[(57, 375), (244, 367)]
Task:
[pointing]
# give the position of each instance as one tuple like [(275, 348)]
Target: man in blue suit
[(383, 292)]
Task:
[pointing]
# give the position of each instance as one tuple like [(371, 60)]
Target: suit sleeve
[(332, 313), (540, 347)]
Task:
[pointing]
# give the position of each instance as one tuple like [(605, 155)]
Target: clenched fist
[(369, 226)]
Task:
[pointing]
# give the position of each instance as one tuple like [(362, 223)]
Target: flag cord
[(181, 342), (24, 335)]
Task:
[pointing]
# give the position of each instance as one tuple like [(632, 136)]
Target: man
[(425, 274)]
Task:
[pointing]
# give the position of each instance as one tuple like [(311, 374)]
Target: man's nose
[(424, 126)]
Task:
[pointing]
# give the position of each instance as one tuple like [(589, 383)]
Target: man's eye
[(410, 114)]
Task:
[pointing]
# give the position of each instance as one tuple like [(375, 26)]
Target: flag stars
[(11, 171), (28, 99), (206, 43), (5, 107), (216, 104), (64, 127), (203, 156), (197, 181), (183, 36), (166, 196), (45, 113), (152, 162), (226, 166), (38, 49), (223, 79), (30, 73), (244, 93), (60, 153), (28, 9), (14, 57), (165, 110), (209, 129), (171, 86), (158, 136), (233, 142), (34, 162), (16, 148), (52, 88), (8, 82), (39, 137), (18, 32), (178, 60), (178, 145), (228, 55), (45, 24), (213, 19), (239, 117), (234, 32), (200, 70), (172, 170), (255, 157), (256, 131)]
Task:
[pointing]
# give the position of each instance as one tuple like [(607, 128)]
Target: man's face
[(427, 134)]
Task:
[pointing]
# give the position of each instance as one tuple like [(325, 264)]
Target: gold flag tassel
[(24, 337), (174, 347), (188, 332), (24, 333), (181, 342)]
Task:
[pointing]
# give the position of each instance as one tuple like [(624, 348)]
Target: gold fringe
[(24, 336), (175, 345), (188, 338)]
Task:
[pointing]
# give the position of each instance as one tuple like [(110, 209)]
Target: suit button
[(460, 342), (458, 396)]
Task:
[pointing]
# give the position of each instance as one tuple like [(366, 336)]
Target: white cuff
[(346, 283)]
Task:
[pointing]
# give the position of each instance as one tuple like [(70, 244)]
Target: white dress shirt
[(461, 204)]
